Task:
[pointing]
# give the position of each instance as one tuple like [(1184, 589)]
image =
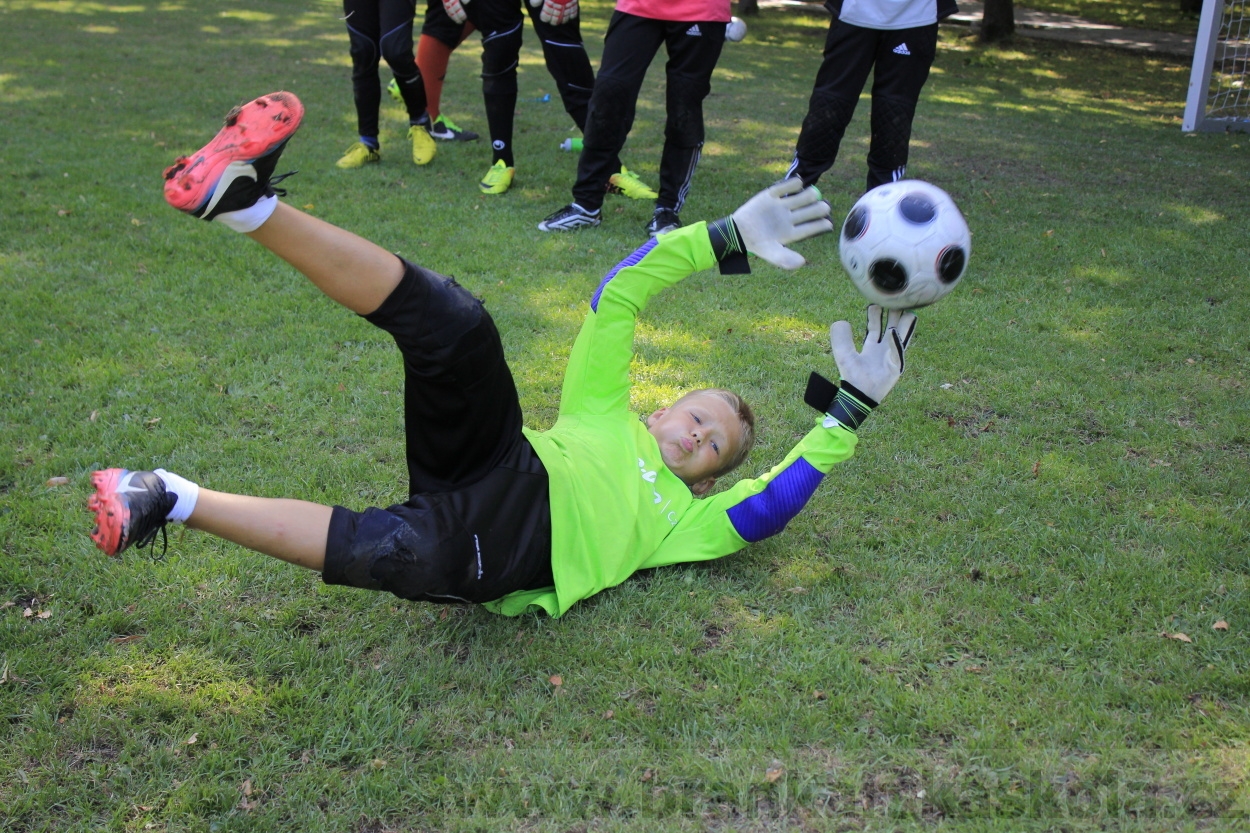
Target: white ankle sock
[(188, 493), (249, 219)]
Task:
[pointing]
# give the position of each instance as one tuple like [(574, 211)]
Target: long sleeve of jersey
[(597, 378), (758, 508)]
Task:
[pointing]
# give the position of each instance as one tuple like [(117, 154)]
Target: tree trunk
[(998, 21), (747, 8), (1191, 6)]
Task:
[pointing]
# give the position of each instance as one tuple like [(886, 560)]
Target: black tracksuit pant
[(629, 46), (382, 29), (899, 60)]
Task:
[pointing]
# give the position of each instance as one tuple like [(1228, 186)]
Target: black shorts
[(441, 27), (477, 524)]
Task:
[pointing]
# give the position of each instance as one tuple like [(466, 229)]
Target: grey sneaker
[(570, 218), (663, 221)]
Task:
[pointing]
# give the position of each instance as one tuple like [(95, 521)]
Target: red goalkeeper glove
[(556, 12), (455, 10)]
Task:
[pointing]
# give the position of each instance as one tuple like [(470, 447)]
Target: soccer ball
[(905, 244), (736, 30)]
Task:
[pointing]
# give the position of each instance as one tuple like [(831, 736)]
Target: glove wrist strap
[(728, 246), (844, 403)]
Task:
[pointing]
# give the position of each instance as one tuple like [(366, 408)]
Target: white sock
[(188, 493), (249, 219)]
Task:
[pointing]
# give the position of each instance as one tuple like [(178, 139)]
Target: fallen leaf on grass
[(244, 803), (57, 481), (122, 640), (609, 714), (1220, 626), (647, 775), (556, 680), (195, 738), (774, 772), (1179, 637)]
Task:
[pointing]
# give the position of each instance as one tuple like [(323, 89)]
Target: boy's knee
[(363, 49), (378, 550)]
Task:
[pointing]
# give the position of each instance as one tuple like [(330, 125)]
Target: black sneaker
[(130, 508), (446, 130), (570, 218), (663, 221), (235, 169)]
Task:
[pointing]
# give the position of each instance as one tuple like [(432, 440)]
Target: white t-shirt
[(889, 14)]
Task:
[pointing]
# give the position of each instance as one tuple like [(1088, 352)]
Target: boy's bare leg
[(356, 273), (292, 530)]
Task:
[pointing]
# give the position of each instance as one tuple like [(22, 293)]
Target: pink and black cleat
[(130, 508), (235, 169)]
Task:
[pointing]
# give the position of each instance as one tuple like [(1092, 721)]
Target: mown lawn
[(1021, 606)]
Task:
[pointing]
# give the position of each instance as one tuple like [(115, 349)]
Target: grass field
[(1164, 15), (1022, 606)]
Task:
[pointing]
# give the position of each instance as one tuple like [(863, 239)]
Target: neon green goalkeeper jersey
[(615, 508)]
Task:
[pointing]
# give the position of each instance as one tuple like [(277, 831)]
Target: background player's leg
[(903, 60), (349, 269), (568, 64), (848, 58), (628, 47), (691, 61), (363, 33)]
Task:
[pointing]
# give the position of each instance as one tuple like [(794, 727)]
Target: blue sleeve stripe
[(768, 512), (629, 261)]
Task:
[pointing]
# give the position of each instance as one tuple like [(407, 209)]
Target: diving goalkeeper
[(496, 513)]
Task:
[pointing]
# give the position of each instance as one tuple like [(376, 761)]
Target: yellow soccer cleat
[(423, 147), (359, 155), (498, 179), (627, 182)]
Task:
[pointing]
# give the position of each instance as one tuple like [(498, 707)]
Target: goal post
[(1219, 81)]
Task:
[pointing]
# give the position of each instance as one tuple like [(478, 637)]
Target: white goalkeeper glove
[(556, 12), (455, 10), (782, 213), (872, 372)]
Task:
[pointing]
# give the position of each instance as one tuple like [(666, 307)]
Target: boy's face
[(697, 435)]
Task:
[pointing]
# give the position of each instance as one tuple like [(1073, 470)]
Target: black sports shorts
[(477, 525)]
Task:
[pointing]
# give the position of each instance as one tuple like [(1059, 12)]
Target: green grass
[(962, 630), (1162, 15)]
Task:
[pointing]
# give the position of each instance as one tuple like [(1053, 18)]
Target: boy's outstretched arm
[(753, 510), (597, 378)]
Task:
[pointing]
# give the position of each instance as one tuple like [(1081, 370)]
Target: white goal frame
[(1222, 56)]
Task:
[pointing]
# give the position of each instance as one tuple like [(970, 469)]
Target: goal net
[(1219, 86)]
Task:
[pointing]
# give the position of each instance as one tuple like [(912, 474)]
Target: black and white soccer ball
[(905, 244)]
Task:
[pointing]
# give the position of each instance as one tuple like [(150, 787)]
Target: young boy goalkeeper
[(499, 514)]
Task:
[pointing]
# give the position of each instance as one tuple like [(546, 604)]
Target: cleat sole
[(111, 513), (251, 131)]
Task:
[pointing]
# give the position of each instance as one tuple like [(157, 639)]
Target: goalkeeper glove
[(871, 373), (455, 10), (556, 12), (780, 214)]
